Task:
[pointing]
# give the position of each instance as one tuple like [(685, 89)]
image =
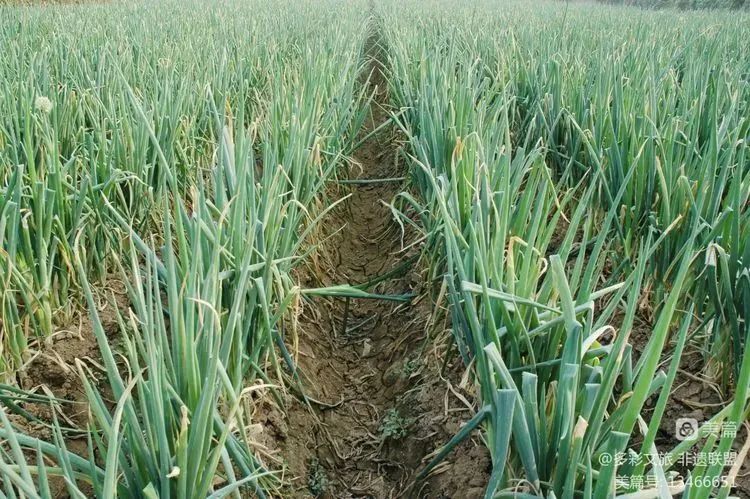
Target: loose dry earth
[(385, 407)]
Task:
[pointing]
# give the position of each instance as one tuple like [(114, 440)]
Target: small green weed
[(394, 426)]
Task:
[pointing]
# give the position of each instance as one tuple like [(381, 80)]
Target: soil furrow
[(391, 407)]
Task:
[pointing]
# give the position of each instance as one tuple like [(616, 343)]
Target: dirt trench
[(388, 399)]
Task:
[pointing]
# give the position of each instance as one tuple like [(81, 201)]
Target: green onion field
[(374, 249)]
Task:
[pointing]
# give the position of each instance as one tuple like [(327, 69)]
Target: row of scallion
[(577, 167), (182, 146)]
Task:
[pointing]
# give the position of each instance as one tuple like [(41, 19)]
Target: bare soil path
[(390, 406)]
